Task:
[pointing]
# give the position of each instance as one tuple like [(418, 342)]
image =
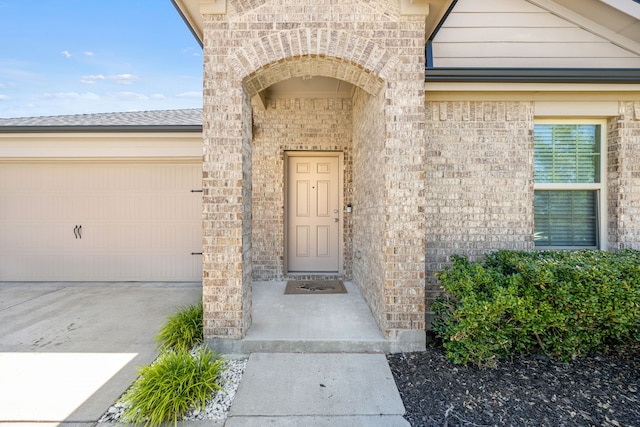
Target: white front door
[(313, 213)]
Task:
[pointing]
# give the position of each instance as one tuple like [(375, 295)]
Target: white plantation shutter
[(565, 218), (567, 167), (566, 153)]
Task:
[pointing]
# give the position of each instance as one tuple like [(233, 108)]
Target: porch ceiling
[(310, 87)]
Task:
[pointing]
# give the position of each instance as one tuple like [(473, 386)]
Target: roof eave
[(533, 75), (190, 14), (102, 129)]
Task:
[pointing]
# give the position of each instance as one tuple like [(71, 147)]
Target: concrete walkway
[(68, 351), (336, 389)]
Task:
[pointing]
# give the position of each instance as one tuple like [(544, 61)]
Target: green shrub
[(176, 382), (182, 330), (560, 303)]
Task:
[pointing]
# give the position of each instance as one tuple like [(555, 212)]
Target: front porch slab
[(311, 323)]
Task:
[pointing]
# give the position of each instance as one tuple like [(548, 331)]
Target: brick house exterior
[(432, 164)]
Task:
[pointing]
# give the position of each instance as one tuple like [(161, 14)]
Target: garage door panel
[(139, 222), (171, 236), (11, 209), (36, 237), (96, 267)]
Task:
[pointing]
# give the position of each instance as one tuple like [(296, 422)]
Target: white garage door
[(84, 221)]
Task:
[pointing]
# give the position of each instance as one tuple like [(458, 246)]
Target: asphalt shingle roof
[(135, 119)]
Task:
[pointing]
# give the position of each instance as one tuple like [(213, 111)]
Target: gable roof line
[(588, 25), (632, 9), (429, 46), (189, 21), (185, 120)]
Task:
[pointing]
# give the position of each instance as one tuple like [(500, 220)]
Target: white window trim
[(600, 187)]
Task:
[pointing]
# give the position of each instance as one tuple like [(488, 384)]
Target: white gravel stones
[(218, 404)]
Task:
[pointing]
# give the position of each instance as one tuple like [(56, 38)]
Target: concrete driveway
[(68, 350)]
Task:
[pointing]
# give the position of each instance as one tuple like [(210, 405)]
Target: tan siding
[(101, 145), (595, 51), (542, 62), (540, 19), (515, 33), (523, 34), (500, 6)]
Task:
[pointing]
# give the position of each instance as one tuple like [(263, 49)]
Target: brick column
[(226, 192), (404, 148)]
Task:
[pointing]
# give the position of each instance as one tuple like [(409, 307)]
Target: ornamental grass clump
[(182, 330), (557, 303), (179, 380)]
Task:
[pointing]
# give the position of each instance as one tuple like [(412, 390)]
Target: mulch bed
[(527, 391)]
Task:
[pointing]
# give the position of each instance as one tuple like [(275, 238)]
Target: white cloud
[(88, 53), (3, 97), (131, 96), (92, 79), (69, 95), (194, 94), (158, 96), (123, 79), (66, 53), (191, 51)]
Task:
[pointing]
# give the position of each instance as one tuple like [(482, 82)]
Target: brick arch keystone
[(307, 52)]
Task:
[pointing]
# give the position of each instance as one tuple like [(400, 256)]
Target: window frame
[(599, 187)]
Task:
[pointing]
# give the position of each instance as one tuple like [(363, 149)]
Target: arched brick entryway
[(384, 63), (306, 52)]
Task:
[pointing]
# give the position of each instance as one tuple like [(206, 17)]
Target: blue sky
[(91, 56)]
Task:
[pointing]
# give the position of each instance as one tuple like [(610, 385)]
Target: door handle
[(336, 219)]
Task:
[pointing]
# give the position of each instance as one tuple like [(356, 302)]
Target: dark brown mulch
[(528, 391)]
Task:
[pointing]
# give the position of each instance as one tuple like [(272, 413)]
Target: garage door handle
[(77, 231)]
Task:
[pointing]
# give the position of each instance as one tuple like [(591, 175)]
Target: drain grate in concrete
[(314, 287)]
